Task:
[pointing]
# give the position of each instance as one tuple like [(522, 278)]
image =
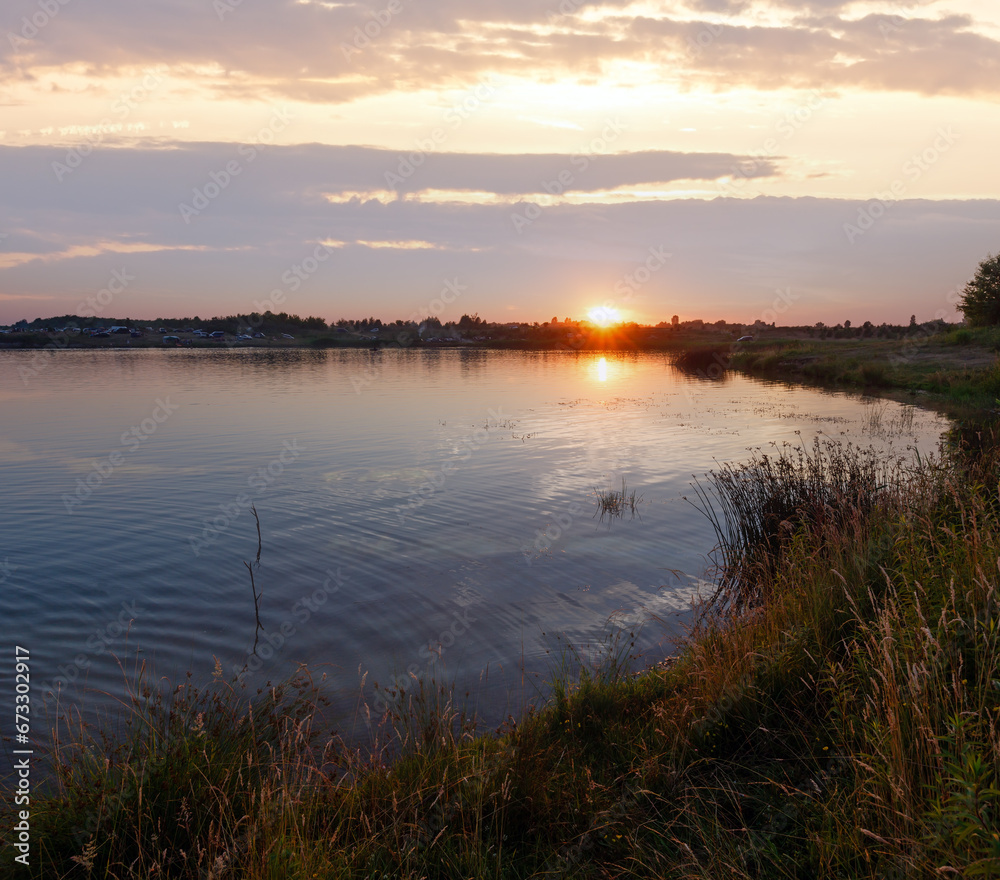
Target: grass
[(833, 713), (959, 365), (615, 502)]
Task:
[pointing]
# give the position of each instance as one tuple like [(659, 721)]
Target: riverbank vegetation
[(958, 365), (834, 712)]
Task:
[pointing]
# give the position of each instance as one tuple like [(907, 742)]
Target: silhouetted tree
[(980, 301)]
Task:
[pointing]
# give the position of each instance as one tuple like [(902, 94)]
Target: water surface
[(426, 511)]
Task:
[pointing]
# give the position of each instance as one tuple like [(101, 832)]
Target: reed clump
[(616, 502), (757, 507), (833, 713)]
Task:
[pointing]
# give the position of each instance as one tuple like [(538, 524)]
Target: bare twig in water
[(256, 605), (253, 510)]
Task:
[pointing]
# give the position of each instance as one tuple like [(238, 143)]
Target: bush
[(705, 360)]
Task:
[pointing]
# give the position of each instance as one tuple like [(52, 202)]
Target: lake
[(425, 512)]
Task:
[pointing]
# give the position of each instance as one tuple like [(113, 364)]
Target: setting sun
[(603, 316)]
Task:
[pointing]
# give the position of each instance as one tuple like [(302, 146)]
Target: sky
[(793, 162)]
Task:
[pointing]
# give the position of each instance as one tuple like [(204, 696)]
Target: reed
[(757, 507), (616, 502)]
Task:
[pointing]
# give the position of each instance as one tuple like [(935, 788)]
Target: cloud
[(162, 177), (119, 211), (335, 53)]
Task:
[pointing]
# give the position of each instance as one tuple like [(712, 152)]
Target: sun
[(603, 316)]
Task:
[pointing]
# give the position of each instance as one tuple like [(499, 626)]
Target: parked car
[(218, 334), (171, 340), (287, 336), (745, 339)]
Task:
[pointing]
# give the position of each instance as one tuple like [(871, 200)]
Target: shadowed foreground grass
[(835, 713)]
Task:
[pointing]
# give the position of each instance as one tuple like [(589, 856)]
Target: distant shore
[(956, 364)]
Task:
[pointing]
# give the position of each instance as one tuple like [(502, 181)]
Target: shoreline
[(957, 370)]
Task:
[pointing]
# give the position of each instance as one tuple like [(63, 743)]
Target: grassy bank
[(835, 713), (960, 365)]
